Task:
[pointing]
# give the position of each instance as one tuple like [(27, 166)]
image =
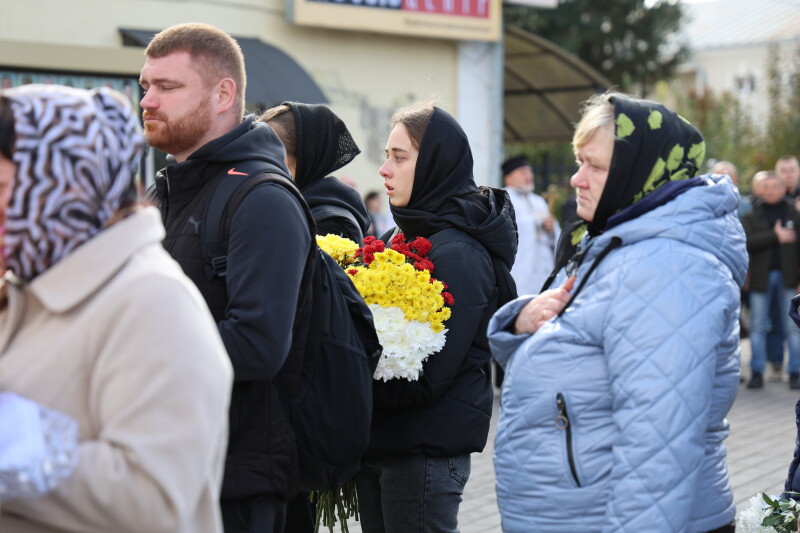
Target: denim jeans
[(761, 304), (417, 494)]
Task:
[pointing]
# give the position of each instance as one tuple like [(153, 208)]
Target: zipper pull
[(562, 420)]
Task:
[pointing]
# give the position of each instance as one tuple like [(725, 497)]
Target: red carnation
[(421, 245), (424, 264), (400, 237), (448, 298), (368, 239), (352, 271)]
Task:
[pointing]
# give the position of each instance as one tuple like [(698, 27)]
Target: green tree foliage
[(633, 45), (731, 132)]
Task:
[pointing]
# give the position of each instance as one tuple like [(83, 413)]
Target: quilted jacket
[(613, 414)]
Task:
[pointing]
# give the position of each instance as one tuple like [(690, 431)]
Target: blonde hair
[(597, 113), (218, 54)]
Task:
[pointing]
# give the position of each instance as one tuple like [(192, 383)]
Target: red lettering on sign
[(462, 8)]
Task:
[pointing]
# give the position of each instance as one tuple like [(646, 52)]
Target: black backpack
[(327, 378)]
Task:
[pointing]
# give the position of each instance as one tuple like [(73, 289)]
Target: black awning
[(272, 76)]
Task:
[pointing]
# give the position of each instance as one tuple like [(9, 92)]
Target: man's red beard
[(176, 135)]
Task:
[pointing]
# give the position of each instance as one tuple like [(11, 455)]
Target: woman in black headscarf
[(423, 431), (317, 143)]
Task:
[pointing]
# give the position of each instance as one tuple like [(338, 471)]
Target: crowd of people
[(618, 330)]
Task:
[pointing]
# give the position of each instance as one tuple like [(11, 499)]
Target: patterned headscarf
[(76, 153), (652, 146)]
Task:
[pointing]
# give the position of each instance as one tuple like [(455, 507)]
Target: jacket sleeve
[(502, 340), (672, 318), (267, 249), (468, 273), (757, 236), (793, 484), (158, 407)]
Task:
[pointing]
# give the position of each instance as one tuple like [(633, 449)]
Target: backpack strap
[(223, 201), (323, 211)]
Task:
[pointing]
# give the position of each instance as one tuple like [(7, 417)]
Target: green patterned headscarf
[(653, 146)]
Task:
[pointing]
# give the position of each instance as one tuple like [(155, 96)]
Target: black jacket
[(337, 208), (255, 304), (793, 479), (447, 411), (760, 241)]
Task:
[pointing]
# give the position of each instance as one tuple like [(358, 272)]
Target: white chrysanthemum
[(749, 519), (406, 343)]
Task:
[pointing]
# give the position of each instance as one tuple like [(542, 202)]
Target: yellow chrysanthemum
[(342, 250), (389, 281)]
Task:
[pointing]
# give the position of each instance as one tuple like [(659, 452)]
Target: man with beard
[(193, 106)]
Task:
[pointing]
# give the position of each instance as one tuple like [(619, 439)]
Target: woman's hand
[(543, 308)]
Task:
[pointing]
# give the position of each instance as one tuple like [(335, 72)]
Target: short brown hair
[(281, 120), (218, 54), (416, 118)]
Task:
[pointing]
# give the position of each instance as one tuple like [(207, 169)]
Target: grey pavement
[(760, 447)]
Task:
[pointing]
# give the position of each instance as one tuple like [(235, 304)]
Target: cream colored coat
[(118, 338)]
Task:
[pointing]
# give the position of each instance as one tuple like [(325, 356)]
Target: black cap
[(513, 163)]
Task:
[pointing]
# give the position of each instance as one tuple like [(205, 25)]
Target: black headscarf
[(445, 195), (653, 146), (324, 143)]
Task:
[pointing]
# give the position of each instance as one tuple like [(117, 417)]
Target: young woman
[(97, 322), (318, 143), (618, 380), (423, 431)]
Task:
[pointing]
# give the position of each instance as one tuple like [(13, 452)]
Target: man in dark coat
[(774, 262), (194, 83)]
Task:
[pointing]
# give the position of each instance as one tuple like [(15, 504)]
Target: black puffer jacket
[(447, 411), (255, 304)]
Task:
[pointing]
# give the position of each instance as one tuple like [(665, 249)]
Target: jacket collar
[(70, 281)]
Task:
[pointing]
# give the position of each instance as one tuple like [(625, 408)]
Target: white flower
[(406, 343), (750, 518)]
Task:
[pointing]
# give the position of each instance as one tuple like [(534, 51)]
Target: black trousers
[(260, 514)]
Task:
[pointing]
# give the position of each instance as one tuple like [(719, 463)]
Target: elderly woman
[(100, 324), (618, 380)]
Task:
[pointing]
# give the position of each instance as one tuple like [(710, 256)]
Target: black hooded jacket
[(255, 304), (447, 411)]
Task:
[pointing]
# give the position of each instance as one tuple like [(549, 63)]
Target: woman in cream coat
[(100, 324)]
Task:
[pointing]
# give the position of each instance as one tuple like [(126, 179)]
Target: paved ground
[(760, 448)]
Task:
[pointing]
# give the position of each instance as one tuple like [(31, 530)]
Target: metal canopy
[(272, 76), (544, 88)]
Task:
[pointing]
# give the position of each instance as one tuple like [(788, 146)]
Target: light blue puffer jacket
[(642, 368)]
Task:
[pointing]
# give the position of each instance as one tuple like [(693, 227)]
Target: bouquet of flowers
[(408, 305), (409, 309), (769, 515)]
